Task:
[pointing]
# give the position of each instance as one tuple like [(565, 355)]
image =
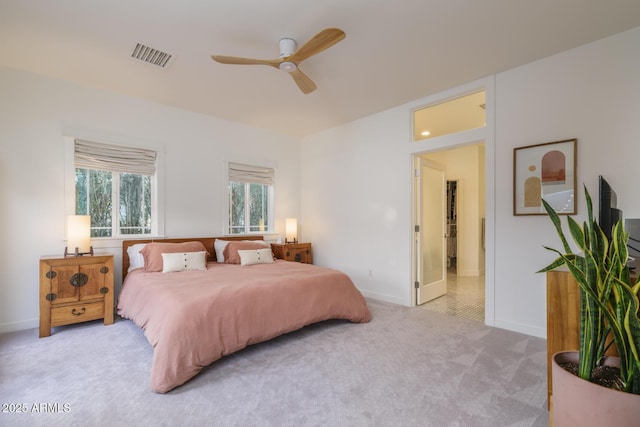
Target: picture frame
[(545, 171)]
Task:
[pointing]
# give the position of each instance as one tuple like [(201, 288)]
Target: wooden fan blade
[(305, 84), (321, 41), (245, 61)]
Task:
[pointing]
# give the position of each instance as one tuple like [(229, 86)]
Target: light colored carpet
[(407, 367)]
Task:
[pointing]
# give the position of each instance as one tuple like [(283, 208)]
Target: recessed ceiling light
[(425, 133)]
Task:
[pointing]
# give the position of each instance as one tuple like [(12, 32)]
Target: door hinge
[(416, 228), (416, 172), (417, 285)]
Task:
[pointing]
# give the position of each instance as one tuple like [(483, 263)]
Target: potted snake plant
[(608, 317)]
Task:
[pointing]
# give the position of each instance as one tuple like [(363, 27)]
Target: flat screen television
[(608, 212)]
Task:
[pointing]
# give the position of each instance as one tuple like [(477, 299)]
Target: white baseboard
[(522, 328), (19, 326), (381, 297)]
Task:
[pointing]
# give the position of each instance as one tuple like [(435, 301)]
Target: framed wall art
[(545, 171)]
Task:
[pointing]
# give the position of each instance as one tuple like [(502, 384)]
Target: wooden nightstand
[(299, 252), (74, 290)]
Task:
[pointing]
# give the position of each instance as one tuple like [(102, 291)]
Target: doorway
[(463, 227), (436, 137)]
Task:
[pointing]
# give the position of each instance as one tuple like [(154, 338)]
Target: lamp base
[(68, 254), (294, 241)]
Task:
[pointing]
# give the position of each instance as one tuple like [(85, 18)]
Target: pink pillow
[(153, 251), (231, 255)]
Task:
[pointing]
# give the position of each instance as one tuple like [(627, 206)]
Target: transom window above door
[(455, 115)]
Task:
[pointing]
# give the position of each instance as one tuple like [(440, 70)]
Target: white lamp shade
[(291, 229), (79, 233)]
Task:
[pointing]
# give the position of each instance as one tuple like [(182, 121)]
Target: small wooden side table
[(298, 252), (74, 290)]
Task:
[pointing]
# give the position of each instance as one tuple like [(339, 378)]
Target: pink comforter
[(192, 318)]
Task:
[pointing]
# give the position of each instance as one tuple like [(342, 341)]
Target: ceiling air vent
[(151, 56)]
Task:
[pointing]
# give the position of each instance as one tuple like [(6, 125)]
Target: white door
[(430, 235)]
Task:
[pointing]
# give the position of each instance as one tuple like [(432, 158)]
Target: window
[(250, 199), (115, 185)]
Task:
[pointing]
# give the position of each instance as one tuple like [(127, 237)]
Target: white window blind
[(250, 174), (115, 158)]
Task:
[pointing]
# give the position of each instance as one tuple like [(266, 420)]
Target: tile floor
[(464, 298)]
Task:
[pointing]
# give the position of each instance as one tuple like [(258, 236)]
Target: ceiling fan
[(290, 58)]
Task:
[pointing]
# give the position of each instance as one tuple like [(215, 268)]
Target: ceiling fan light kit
[(287, 66), (291, 57)]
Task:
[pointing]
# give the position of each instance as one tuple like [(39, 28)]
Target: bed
[(196, 316)]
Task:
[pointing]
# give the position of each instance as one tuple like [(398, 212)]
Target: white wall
[(356, 200), (36, 112), (356, 178), (591, 93)]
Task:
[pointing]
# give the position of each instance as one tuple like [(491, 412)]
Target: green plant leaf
[(608, 303)]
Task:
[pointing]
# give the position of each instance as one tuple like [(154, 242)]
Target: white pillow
[(255, 256), (220, 244), (181, 261), (136, 260)]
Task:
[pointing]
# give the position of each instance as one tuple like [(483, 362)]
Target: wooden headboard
[(206, 241)]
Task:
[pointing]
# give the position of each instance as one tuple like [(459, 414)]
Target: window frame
[(269, 225), (157, 199)]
